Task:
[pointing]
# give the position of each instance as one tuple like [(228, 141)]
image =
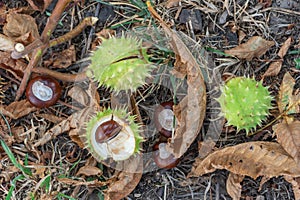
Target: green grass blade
[(64, 196), (13, 159), (13, 186), (297, 61)]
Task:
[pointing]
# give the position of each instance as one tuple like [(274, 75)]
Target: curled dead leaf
[(288, 135), (21, 28), (233, 185), (190, 111), (252, 159), (256, 46), (17, 109), (127, 179)]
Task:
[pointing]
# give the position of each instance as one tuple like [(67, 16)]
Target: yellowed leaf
[(233, 185), (252, 159), (288, 135), (190, 111), (89, 171), (273, 69), (254, 47)]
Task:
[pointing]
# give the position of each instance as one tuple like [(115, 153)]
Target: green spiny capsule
[(120, 64), (245, 103), (112, 134)]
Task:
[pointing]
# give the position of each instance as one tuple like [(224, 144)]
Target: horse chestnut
[(164, 118), (43, 91), (107, 130), (163, 158)]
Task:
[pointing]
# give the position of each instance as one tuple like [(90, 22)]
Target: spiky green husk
[(245, 103), (121, 114), (120, 64)]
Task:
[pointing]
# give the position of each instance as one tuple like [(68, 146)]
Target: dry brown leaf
[(40, 5), (3, 13), (21, 27), (190, 111), (233, 185), (89, 171), (242, 35), (76, 138), (39, 170), (172, 3), (256, 46), (7, 63), (50, 117), (127, 179), (104, 33), (78, 94), (286, 99), (252, 159), (6, 44), (65, 58), (288, 135), (273, 69), (17, 109), (285, 47), (74, 122)]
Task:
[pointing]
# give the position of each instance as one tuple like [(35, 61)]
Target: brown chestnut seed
[(164, 117), (107, 130), (43, 91), (163, 158)]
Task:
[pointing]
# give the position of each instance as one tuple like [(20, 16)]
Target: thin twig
[(45, 37), (89, 21), (281, 10), (79, 77)]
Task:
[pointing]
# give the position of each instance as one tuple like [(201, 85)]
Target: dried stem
[(79, 77), (45, 37), (88, 21)]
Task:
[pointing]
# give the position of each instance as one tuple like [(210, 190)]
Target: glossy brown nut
[(43, 91), (163, 118), (107, 130), (167, 163)]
